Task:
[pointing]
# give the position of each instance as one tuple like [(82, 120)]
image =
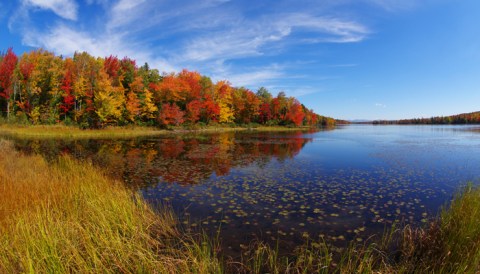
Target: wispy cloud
[(333, 29), (254, 77), (380, 105), (65, 40), (208, 35), (248, 37), (394, 5), (124, 12), (66, 9)]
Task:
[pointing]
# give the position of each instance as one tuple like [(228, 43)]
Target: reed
[(68, 217), (61, 131), (71, 132)]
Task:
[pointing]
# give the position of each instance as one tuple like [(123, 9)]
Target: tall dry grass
[(450, 243), (68, 217), (62, 131)]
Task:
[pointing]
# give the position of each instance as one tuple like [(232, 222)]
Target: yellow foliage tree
[(109, 100), (148, 108), (225, 101)]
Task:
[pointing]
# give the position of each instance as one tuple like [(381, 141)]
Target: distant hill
[(464, 118)]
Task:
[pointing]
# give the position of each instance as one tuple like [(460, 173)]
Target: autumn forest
[(40, 87)]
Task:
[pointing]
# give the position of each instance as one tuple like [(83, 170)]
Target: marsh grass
[(449, 244), (62, 131), (68, 217)]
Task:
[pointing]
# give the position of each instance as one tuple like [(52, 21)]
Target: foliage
[(108, 91), (170, 115)]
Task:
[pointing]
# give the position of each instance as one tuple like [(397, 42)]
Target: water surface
[(343, 184)]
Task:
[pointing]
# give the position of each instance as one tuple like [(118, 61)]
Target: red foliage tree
[(112, 66), (275, 108), (68, 99), (265, 113), (192, 80), (171, 114), (295, 114), (26, 69), (173, 89), (194, 109), (211, 110), (7, 66)]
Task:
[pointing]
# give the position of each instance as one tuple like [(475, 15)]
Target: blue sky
[(349, 59)]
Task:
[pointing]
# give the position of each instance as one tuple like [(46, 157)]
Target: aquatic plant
[(449, 243)]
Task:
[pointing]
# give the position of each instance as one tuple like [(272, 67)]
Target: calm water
[(344, 184)]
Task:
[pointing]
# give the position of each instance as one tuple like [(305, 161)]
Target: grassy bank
[(61, 131), (68, 217)]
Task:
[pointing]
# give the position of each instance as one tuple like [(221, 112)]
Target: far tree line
[(40, 87), (465, 118)]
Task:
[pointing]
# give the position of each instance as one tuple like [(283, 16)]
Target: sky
[(348, 59)]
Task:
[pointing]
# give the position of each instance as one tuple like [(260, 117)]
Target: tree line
[(464, 118), (40, 87)]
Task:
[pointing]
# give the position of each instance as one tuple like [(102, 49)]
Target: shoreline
[(62, 131)]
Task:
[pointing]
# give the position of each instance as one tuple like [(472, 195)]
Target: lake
[(343, 184)]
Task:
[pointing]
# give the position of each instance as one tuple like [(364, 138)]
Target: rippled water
[(344, 184)]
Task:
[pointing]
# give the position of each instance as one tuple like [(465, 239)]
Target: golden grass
[(449, 244), (68, 217), (62, 131)]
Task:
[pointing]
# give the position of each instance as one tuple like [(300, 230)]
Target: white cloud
[(224, 45), (379, 105), (302, 91), (125, 5), (394, 5), (66, 9), (167, 16), (247, 38), (255, 77), (331, 28), (65, 40), (207, 35), (128, 11)]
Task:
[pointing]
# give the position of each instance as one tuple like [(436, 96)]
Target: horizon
[(368, 60), (410, 118)]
